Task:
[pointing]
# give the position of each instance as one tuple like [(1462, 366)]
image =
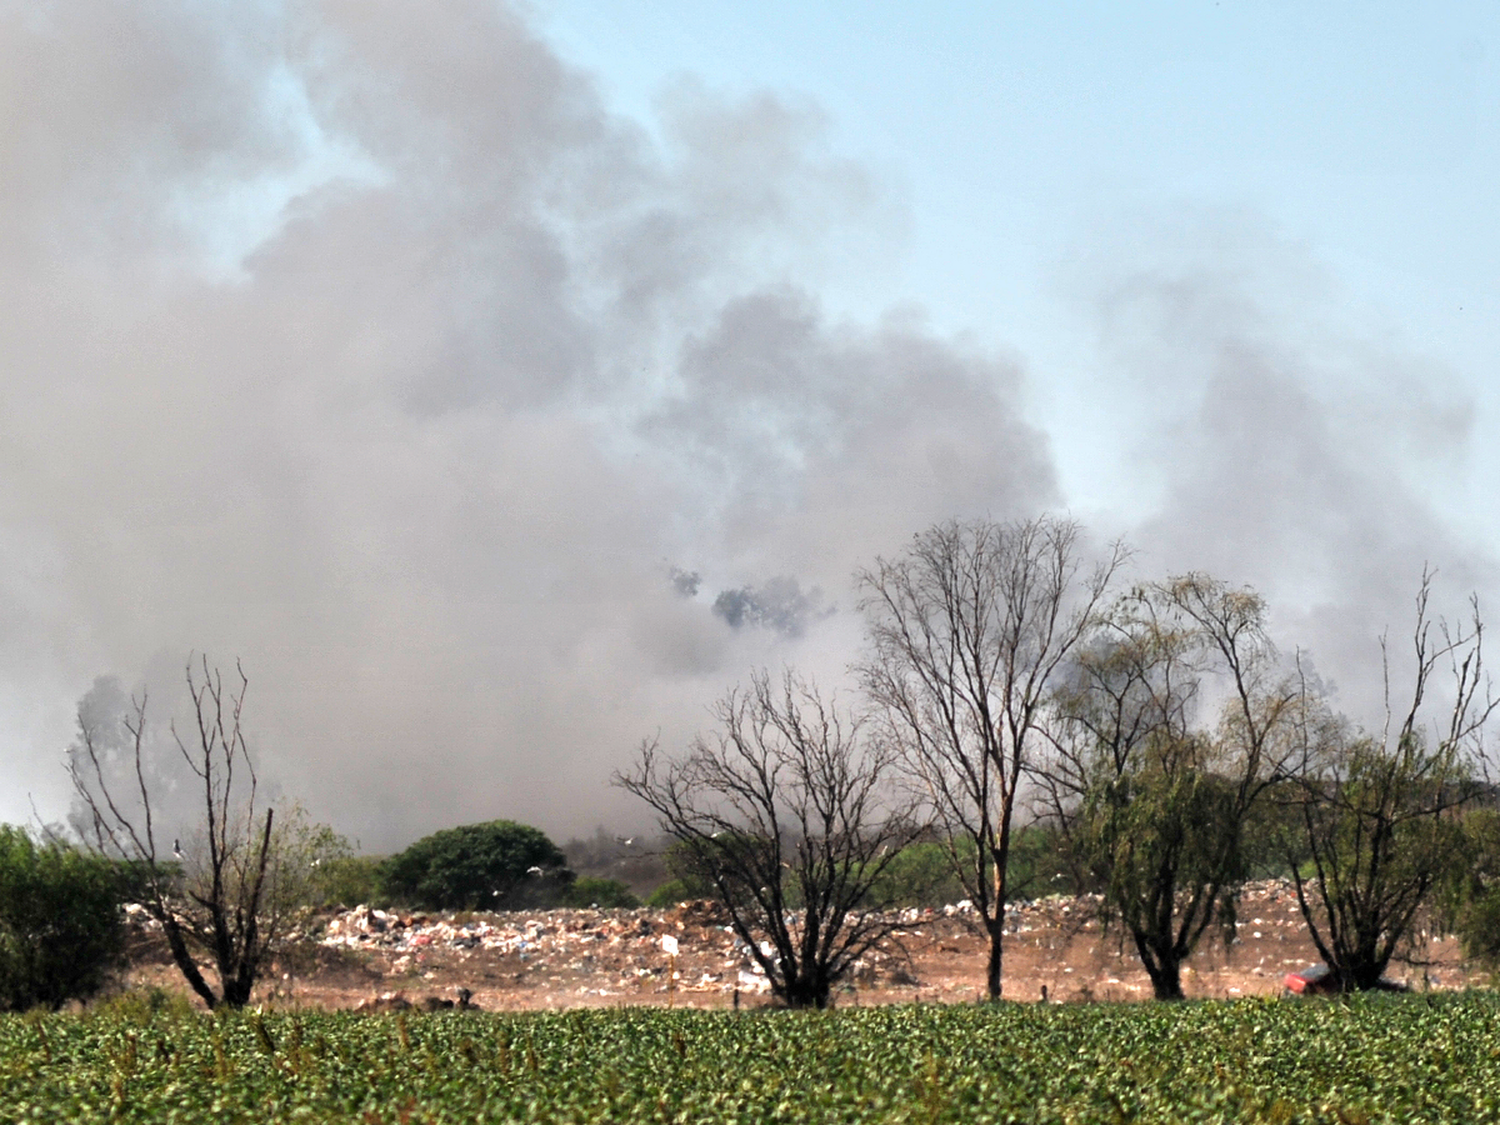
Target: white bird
[(177, 849)]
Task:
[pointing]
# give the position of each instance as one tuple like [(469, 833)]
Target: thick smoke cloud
[(358, 341)]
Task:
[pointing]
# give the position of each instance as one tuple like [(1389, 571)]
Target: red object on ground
[(1315, 980)]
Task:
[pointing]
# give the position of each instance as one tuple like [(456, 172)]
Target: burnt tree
[(1379, 814), (968, 629), (787, 814), (213, 900)]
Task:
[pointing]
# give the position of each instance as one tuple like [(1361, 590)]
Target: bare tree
[(1379, 830), (1153, 808), (212, 898), (785, 811), (968, 627)]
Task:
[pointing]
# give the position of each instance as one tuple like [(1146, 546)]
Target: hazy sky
[(418, 355)]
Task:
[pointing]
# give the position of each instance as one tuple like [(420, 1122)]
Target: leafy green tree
[(1473, 906), (684, 881), (347, 881), (1153, 809), (498, 865), (60, 921), (1380, 826), (310, 866), (920, 874)]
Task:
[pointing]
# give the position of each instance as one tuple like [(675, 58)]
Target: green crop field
[(1413, 1058)]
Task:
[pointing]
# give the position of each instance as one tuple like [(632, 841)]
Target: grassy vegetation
[(1379, 1059)]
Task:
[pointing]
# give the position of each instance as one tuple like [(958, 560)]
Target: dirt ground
[(577, 958)]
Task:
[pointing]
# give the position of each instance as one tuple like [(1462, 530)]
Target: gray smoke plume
[(780, 605), (1293, 454), (360, 342)]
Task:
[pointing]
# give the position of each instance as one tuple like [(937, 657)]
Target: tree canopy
[(60, 921), (497, 865)]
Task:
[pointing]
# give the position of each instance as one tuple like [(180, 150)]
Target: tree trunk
[(993, 969), (1166, 981), (184, 959), (807, 992), (237, 992), (1163, 967)]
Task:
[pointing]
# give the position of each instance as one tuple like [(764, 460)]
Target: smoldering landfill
[(691, 948), (593, 956)]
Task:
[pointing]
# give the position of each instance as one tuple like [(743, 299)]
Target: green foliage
[(1155, 806), (60, 923), (478, 867), (604, 893), (1384, 839), (348, 881), (1039, 865), (925, 873), (673, 891), (310, 865), (686, 881), (920, 874), (1162, 820), (1473, 904), (1424, 1059)]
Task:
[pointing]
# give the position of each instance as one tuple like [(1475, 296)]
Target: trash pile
[(546, 957), (690, 948)]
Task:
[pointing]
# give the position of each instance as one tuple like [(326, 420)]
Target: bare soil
[(591, 958)]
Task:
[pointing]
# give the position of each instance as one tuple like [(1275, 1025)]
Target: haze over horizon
[(496, 414)]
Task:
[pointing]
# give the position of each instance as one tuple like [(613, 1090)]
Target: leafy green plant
[(605, 893), (920, 874), (1375, 1059), (60, 921), (1472, 900), (348, 881), (499, 865)]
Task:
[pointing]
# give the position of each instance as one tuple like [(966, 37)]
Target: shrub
[(60, 921), (919, 874), (672, 892), (1472, 905), (684, 881), (349, 881), (599, 892), (500, 865), (922, 874)]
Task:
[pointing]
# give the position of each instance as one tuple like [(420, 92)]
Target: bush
[(60, 921), (673, 891), (922, 874), (500, 865), (349, 881), (603, 893), (1472, 903)]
